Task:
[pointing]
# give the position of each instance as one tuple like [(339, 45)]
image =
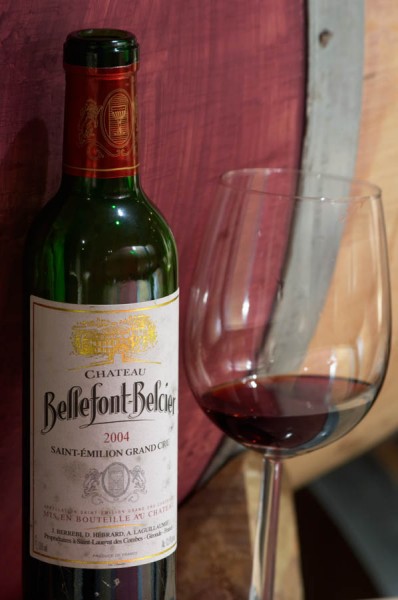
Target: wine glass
[(288, 326)]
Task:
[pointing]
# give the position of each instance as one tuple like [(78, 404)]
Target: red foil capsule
[(100, 138)]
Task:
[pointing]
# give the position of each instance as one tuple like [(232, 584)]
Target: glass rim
[(373, 190)]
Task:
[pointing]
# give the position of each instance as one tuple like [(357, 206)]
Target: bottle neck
[(93, 186), (100, 128)]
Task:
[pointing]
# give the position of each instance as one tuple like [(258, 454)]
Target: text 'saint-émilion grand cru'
[(101, 392)]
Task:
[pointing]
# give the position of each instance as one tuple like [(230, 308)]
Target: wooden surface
[(377, 160), (217, 528), (221, 85)]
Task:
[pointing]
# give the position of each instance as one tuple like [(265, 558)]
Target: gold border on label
[(104, 562), (103, 310)]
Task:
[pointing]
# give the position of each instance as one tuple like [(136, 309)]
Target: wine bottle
[(100, 442)]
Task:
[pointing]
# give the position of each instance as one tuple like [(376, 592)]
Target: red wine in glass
[(288, 414)]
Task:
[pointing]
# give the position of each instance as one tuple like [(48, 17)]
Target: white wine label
[(104, 409)]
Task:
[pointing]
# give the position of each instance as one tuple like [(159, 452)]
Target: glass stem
[(262, 584)]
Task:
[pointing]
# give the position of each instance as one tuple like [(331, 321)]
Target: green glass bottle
[(101, 378)]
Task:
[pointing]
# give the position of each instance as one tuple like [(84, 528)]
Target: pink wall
[(221, 85)]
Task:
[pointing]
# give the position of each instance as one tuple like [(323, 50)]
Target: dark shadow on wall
[(23, 173)]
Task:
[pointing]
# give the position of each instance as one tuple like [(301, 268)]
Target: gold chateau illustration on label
[(103, 338), (103, 432)]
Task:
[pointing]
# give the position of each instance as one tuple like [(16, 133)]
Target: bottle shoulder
[(99, 243), (111, 218)]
